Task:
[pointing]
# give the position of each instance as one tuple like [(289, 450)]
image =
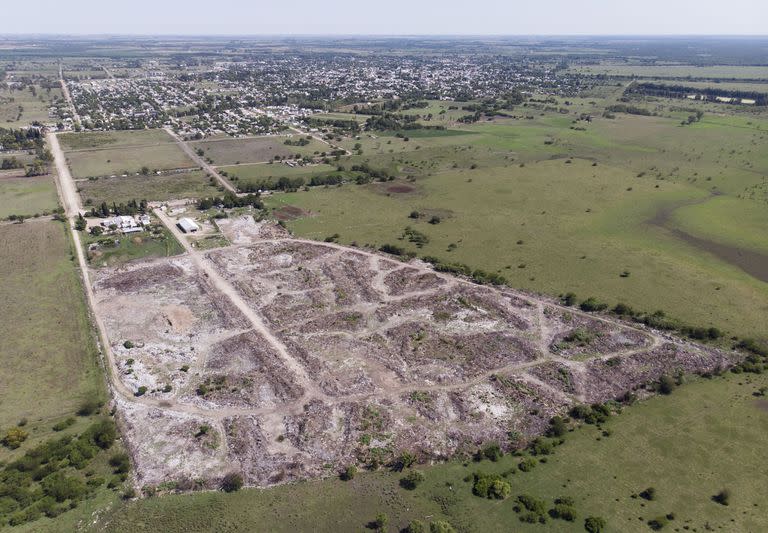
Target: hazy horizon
[(488, 18)]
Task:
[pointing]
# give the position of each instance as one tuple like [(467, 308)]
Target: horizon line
[(388, 35)]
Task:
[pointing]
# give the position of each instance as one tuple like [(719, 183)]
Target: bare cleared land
[(285, 359)]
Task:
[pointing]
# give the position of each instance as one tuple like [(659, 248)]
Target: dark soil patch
[(401, 188), (290, 212)]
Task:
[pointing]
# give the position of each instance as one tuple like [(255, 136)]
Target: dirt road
[(226, 289), (200, 161), (67, 96)]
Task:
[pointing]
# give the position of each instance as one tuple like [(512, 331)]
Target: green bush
[(232, 482), (412, 480), (592, 305), (658, 523), (493, 452), (563, 511), (89, 406), (120, 462), (667, 384), (594, 524), (527, 464), (491, 486), (416, 526), (380, 522), (62, 487), (558, 426), (14, 437), (441, 526), (64, 424), (348, 473)]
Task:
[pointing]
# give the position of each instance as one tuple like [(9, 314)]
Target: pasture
[(680, 456), (582, 201), (676, 71), (230, 151), (20, 195), (168, 186), (50, 361), (257, 172), (22, 107), (113, 139), (121, 152)]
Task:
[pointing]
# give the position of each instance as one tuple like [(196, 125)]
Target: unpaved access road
[(200, 161)]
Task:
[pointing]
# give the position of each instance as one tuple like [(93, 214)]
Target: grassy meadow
[(22, 107), (556, 205), (50, 363), (194, 184), (121, 152), (24, 196), (230, 151)]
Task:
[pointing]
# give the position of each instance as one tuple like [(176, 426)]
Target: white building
[(188, 225)]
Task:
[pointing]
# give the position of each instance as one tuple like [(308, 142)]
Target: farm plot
[(256, 149), (125, 152), (20, 195), (49, 357), (165, 186), (277, 357)]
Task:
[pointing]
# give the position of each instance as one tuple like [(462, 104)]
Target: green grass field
[(113, 139), (118, 152), (193, 184), (49, 359), (255, 173), (21, 108), (26, 196), (677, 71), (230, 151), (687, 454), (582, 201)]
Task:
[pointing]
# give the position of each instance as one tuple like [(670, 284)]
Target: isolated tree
[(80, 223)]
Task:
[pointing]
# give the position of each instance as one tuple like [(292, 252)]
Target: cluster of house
[(127, 224)]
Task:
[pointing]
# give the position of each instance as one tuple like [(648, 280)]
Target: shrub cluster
[(48, 479)]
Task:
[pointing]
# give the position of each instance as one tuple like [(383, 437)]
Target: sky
[(390, 17)]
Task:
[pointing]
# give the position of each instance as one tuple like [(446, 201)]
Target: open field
[(679, 454), (256, 173), (676, 71), (113, 139), (587, 204), (121, 152), (48, 352), (167, 186), (21, 108), (230, 151), (128, 160), (20, 195)]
